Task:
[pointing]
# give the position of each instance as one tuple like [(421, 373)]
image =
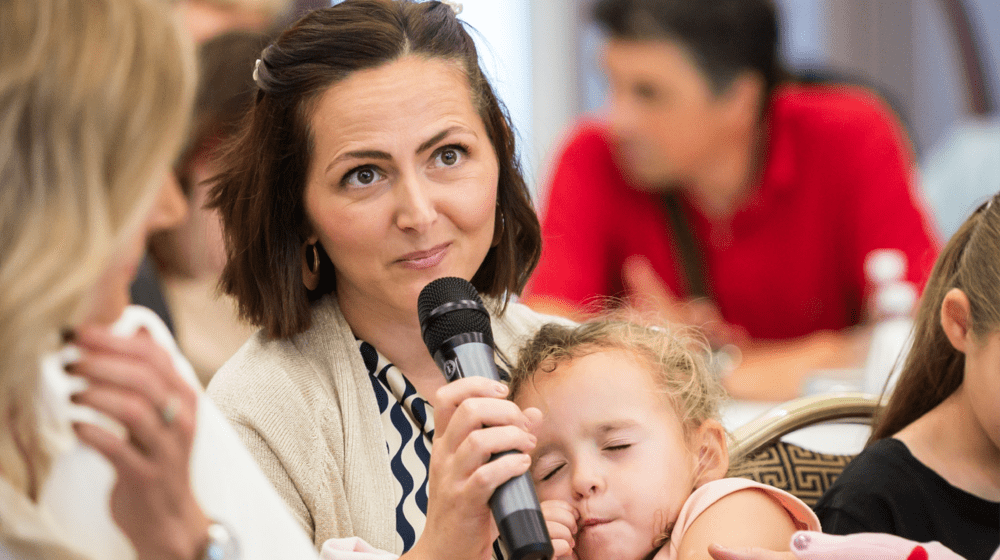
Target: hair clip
[(455, 6), (256, 72)]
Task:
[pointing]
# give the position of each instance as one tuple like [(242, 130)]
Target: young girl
[(931, 471), (631, 458)]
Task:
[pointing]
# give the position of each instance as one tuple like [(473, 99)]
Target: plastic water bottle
[(892, 306)]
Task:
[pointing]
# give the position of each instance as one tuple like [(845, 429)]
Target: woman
[(190, 257), (376, 159), (78, 82)]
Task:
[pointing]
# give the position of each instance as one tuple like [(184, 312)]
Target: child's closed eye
[(617, 446), (549, 472)]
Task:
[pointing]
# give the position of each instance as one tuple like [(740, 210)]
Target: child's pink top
[(708, 494)]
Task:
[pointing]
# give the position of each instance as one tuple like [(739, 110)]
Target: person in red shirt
[(722, 196)]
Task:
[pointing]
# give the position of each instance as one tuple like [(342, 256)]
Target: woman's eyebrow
[(440, 136), (359, 154)]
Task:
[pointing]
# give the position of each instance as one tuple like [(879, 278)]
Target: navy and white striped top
[(408, 425)]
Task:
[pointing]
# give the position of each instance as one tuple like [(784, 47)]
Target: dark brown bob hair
[(260, 190)]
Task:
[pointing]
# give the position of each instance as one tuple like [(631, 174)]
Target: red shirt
[(837, 184)]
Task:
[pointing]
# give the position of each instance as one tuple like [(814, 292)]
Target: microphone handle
[(514, 503)]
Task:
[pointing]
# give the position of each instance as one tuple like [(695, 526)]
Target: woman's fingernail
[(801, 541), (501, 389)]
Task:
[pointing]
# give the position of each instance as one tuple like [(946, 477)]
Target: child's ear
[(712, 452), (955, 319)]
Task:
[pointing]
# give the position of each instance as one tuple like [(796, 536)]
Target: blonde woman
[(94, 101)]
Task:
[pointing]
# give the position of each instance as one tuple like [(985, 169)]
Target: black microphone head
[(440, 323)]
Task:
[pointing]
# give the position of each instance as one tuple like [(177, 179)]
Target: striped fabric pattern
[(408, 425)]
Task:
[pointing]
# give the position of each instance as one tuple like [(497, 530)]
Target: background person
[(778, 193), (376, 159), (189, 257), (206, 19), (79, 83)]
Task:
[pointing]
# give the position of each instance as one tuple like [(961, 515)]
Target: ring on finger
[(169, 411)]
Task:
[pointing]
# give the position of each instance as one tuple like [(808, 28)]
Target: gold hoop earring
[(498, 229), (314, 268)]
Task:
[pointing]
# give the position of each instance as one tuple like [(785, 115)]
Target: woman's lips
[(420, 260)]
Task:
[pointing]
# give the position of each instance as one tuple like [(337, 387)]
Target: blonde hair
[(934, 369), (94, 104), (675, 356)]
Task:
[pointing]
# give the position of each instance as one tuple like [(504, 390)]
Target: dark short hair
[(725, 37), (260, 189)]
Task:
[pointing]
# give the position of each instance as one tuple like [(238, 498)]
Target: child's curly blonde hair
[(675, 356)]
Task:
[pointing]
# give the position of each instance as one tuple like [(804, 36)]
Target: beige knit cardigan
[(306, 410)]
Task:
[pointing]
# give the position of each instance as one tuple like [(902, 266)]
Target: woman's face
[(111, 294), (402, 185)]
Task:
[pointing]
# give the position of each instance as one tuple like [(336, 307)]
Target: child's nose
[(586, 482)]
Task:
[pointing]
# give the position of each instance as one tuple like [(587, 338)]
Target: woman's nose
[(416, 210), (170, 207)]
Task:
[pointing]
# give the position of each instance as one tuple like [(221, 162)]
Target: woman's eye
[(362, 177), (450, 156)]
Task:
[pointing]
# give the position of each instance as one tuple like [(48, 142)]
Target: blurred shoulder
[(829, 107), (587, 143)]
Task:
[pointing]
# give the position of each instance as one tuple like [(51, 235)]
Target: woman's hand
[(133, 381), (561, 519), (472, 422)]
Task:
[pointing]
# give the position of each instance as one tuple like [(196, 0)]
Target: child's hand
[(561, 519)]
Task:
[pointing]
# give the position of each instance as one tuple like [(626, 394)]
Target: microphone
[(456, 329)]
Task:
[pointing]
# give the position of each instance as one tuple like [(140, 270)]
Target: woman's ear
[(956, 319), (712, 452), (310, 263)]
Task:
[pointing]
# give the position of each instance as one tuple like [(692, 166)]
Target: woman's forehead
[(405, 95)]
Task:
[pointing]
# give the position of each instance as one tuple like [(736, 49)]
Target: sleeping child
[(631, 457)]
